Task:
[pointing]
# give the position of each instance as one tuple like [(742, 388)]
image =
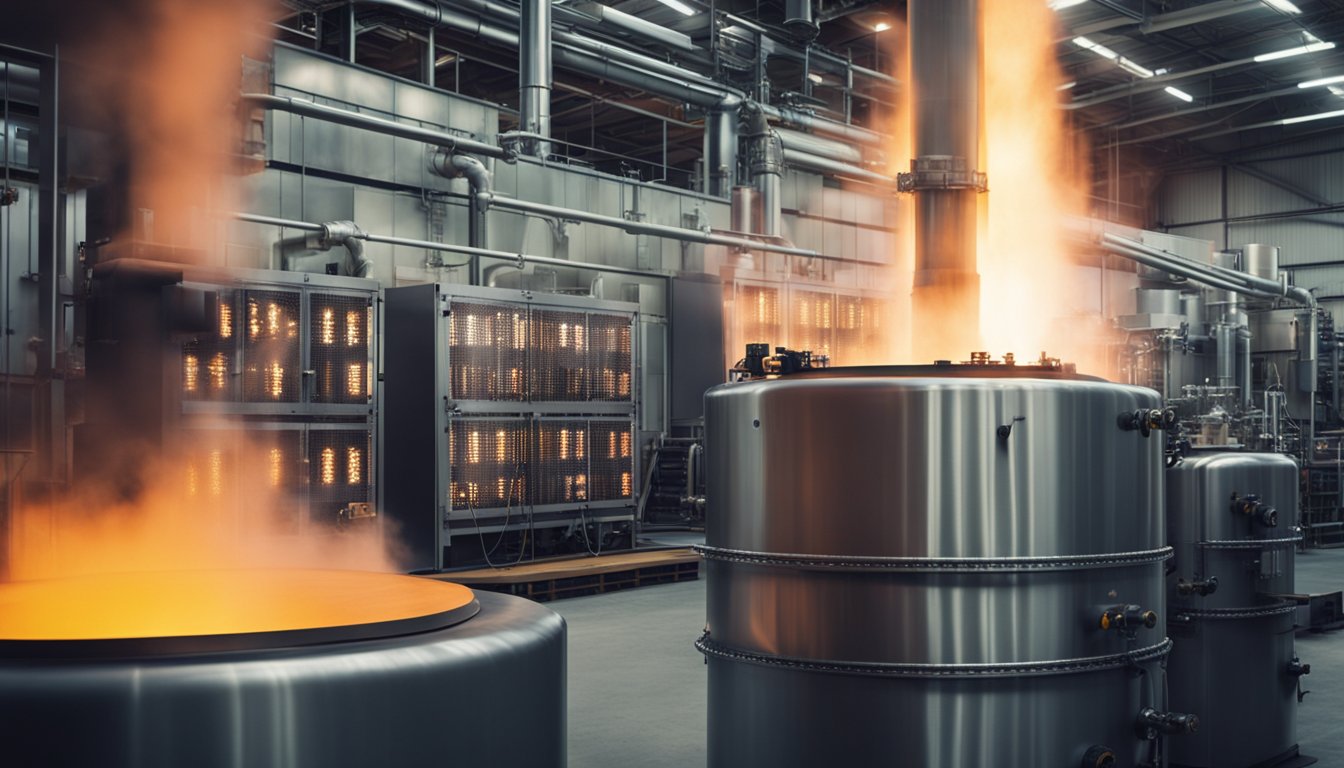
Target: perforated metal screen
[(488, 351), (812, 321), (560, 464), (612, 463), (339, 347), (488, 463), (559, 355), (339, 471), (271, 347), (208, 359), (758, 315), (610, 357)]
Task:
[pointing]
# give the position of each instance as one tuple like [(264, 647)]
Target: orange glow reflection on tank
[(201, 603)]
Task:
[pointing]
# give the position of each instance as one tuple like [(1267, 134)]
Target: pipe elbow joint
[(336, 233)]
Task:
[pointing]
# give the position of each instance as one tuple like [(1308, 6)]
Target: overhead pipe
[(945, 68), (659, 230), (819, 164), (720, 151), (348, 234), (819, 146), (478, 179), (534, 74), (807, 120), (306, 108), (605, 14)]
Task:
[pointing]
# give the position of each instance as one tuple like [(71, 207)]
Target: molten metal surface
[(206, 603)]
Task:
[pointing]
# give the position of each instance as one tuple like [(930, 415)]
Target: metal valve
[(1098, 756), (1127, 618), (1201, 587), (1147, 420), (1251, 506), (1152, 723)]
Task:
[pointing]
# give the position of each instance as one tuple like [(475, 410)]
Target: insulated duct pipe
[(765, 155), (799, 21), (821, 125), (345, 117), (945, 67), (821, 147), (534, 74), (721, 146), (477, 175), (348, 234), (605, 14)]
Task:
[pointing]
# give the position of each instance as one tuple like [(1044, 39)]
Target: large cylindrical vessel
[(911, 567), (296, 669), (1232, 518)]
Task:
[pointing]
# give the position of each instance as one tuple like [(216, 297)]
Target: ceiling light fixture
[(679, 7), (815, 78), (1322, 81), (1066, 86), (880, 26), (1282, 5), (1298, 51), (1095, 47), (1178, 93), (1057, 5), (1137, 69), (1309, 118)]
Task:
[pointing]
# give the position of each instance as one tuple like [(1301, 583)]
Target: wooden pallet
[(573, 577)]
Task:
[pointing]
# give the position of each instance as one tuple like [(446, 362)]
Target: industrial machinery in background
[(254, 382), (897, 556), (1245, 369), (1229, 519), (509, 429)]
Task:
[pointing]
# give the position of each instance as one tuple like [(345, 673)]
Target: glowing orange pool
[(249, 607)]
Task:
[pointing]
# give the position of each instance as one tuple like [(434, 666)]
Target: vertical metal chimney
[(534, 75), (945, 74)]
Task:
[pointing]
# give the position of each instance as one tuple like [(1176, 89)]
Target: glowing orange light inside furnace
[(625, 445), (277, 458), (580, 486), (193, 480), (578, 337), (515, 380), (564, 443), (327, 466), (326, 327), (273, 319), (578, 443), (519, 332), (191, 371), (216, 473), (611, 444), (354, 466), (354, 380), (626, 486), (623, 387), (225, 321), (273, 380), (474, 448), (564, 334), (253, 319), (501, 446), (353, 320), (219, 370)]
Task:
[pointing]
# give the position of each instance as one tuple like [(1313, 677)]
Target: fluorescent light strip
[(1178, 93), (1322, 81), (1282, 5), (679, 7), (1097, 48), (1310, 48), (1066, 86), (1309, 118), (1137, 69), (1058, 5)]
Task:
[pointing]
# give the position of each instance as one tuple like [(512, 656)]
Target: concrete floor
[(637, 685)]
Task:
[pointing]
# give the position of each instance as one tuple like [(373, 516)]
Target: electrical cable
[(504, 529)]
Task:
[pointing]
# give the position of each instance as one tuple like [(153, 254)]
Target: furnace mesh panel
[(271, 347), (487, 355), (559, 353), (560, 463), (339, 348), (487, 461), (609, 357), (276, 473), (812, 321), (208, 359), (758, 317), (210, 472), (860, 331), (612, 462), (339, 471)]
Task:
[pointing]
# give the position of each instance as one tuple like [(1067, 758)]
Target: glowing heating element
[(352, 331), (354, 466), (277, 458), (205, 603), (354, 380), (326, 328), (225, 321), (191, 371), (327, 466)]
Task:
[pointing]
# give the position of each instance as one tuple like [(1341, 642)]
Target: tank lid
[(209, 611), (945, 369)]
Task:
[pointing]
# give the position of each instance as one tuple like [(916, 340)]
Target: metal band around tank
[(709, 647), (1222, 614), (1250, 543), (935, 564)]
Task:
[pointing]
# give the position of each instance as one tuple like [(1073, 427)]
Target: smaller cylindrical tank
[(1231, 519), (1157, 301), (1261, 260), (1192, 306)]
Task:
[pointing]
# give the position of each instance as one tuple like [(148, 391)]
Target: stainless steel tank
[(910, 566), (1231, 517), (473, 682)]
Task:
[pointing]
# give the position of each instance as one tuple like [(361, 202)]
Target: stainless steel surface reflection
[(1234, 647), (454, 696), (912, 570)]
